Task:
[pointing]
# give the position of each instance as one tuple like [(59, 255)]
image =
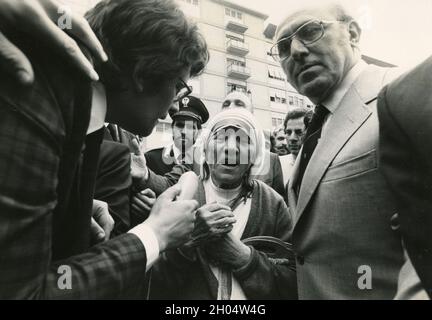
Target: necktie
[(182, 156), (112, 128), (313, 134)]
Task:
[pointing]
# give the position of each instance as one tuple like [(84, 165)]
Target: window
[(291, 100), (233, 14), (275, 73), (236, 87), (235, 62), (276, 122), (163, 127), (194, 2), (277, 96), (231, 37)]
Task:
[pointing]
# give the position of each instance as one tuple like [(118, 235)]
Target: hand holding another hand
[(172, 220), (212, 221)]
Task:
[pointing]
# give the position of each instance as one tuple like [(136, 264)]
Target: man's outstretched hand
[(39, 20), (172, 220)]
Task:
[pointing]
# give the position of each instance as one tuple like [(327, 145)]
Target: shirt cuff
[(149, 241)]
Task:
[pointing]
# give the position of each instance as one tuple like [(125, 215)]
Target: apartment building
[(239, 60)]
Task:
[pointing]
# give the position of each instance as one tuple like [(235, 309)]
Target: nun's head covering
[(242, 119)]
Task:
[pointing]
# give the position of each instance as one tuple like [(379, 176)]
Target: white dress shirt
[(97, 120), (332, 102), (287, 163)]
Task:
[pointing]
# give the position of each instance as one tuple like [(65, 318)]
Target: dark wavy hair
[(299, 112), (150, 40)]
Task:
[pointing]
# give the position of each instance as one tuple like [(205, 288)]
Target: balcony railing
[(239, 72), (236, 26), (237, 47)]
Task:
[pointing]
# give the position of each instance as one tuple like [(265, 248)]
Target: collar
[(170, 152), (223, 194), (334, 100), (176, 151), (98, 107)]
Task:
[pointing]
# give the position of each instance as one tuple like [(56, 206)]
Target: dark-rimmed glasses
[(307, 33), (182, 90)]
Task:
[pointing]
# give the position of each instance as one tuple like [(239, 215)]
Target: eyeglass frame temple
[(189, 90), (321, 22)]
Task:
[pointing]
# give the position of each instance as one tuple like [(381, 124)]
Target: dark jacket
[(405, 115), (47, 175), (114, 182)]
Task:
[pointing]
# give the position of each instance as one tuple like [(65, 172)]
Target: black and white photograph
[(209, 150)]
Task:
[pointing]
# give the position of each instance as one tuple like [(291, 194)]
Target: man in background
[(295, 124), (279, 141), (186, 126)]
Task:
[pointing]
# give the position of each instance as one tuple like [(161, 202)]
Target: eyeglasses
[(182, 90), (307, 33)]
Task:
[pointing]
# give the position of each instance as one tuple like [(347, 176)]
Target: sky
[(396, 31)]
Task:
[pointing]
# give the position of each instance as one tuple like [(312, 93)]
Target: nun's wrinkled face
[(229, 154)]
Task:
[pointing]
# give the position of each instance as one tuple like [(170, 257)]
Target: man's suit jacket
[(405, 114), (117, 134), (46, 190), (342, 214), (114, 182)]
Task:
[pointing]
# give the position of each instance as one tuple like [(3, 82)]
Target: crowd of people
[(334, 204)]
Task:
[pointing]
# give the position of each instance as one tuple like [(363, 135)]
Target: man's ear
[(354, 33)]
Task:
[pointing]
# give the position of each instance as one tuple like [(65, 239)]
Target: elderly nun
[(239, 220)]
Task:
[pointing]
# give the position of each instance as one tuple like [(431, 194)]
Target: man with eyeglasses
[(342, 208), (50, 134)]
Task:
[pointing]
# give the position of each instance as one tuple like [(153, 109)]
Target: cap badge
[(185, 102)]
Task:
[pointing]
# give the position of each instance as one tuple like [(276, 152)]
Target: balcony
[(236, 26), (237, 47), (238, 72)]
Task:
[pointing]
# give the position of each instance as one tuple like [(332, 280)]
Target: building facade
[(239, 60)]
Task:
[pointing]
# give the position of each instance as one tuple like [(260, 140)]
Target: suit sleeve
[(168, 274), (159, 183), (113, 183), (278, 184), (265, 278), (29, 164)]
